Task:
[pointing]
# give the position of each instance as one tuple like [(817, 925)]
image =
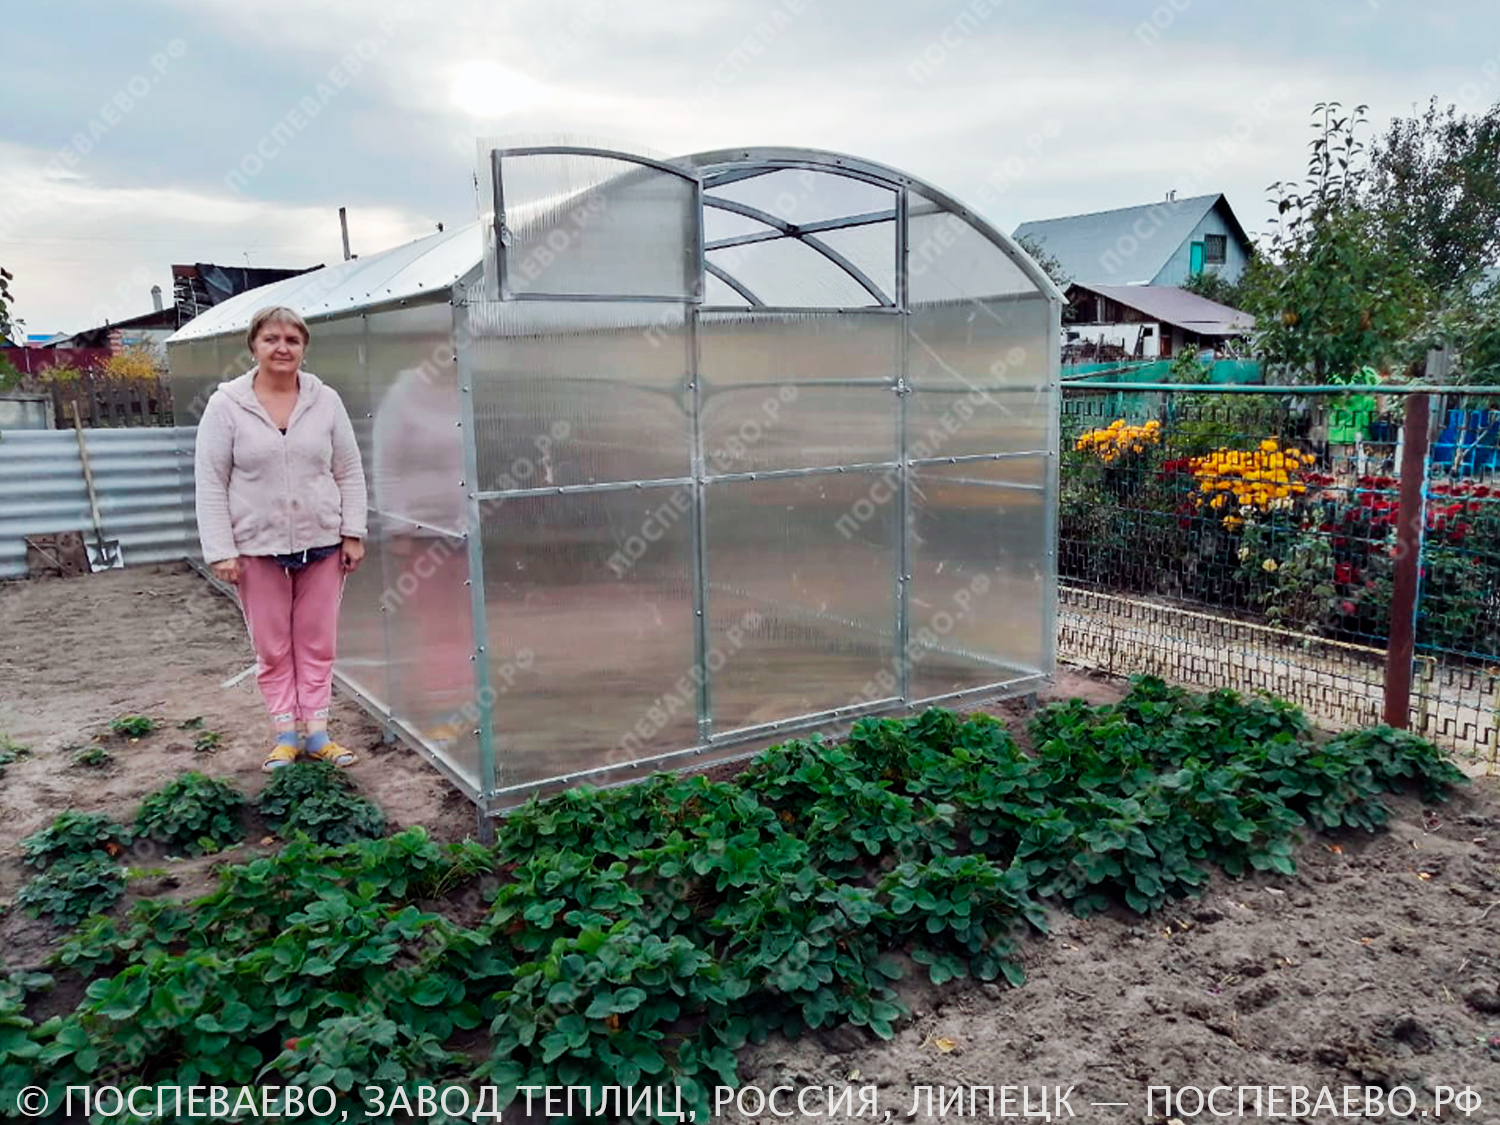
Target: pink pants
[(293, 620)]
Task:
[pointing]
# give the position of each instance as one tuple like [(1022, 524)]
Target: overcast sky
[(139, 133)]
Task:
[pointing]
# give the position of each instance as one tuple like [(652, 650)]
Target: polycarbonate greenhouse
[(669, 459)]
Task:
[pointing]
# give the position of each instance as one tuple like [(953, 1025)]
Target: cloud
[(1073, 111), (85, 252)]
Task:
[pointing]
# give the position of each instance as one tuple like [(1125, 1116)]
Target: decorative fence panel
[(1249, 538)]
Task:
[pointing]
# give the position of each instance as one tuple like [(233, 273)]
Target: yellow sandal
[(332, 753), (281, 755)]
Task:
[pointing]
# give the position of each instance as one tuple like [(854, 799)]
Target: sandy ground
[(1379, 963)]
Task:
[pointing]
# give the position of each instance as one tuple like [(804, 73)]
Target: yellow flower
[(1244, 551), (1268, 446), (1233, 522), (1269, 566)]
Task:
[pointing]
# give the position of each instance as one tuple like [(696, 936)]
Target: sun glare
[(487, 89)]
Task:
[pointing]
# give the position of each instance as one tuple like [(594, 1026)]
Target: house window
[(1215, 248)]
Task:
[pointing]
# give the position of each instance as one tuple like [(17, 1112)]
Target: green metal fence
[(1258, 538)]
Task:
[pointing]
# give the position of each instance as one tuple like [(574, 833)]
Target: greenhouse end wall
[(677, 491)]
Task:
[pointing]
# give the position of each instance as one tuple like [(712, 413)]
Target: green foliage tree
[(9, 376), (1379, 255), (1435, 182), (1328, 294), (1050, 265), (1214, 287)]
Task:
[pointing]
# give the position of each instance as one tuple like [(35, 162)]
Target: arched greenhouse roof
[(782, 228)]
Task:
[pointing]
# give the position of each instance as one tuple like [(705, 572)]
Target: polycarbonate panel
[(592, 225), (410, 271), (430, 618), (193, 375), (719, 223), (336, 355), (964, 422), (1024, 471), (416, 451), (802, 195), (719, 292), (870, 247), (977, 596), (591, 629), (769, 392), (980, 344), (580, 393), (790, 274), (948, 259), (362, 652), (801, 596)]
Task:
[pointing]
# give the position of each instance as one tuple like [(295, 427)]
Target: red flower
[(1348, 608), (1343, 573)]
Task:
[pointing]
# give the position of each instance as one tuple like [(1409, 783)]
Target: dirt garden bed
[(1377, 963)]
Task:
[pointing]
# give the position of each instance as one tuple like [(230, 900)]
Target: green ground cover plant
[(316, 800), (642, 935), (195, 813)]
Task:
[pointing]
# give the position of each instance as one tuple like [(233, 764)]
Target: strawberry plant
[(316, 799), (599, 1008), (639, 936), (74, 835), (92, 757), (195, 813), (208, 741), (74, 888), (966, 905), (18, 1048), (11, 752), (133, 726)]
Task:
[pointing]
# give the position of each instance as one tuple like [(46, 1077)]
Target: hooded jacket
[(259, 492)]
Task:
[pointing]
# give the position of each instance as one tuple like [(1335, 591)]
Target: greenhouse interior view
[(670, 459)]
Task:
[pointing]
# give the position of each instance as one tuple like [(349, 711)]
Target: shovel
[(104, 554)]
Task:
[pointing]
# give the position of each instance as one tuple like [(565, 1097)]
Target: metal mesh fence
[(1250, 539)]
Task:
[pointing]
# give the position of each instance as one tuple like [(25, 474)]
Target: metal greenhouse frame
[(672, 458)]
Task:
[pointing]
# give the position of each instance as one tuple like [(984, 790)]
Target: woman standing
[(281, 515)]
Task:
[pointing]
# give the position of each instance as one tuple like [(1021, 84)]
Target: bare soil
[(1377, 964)]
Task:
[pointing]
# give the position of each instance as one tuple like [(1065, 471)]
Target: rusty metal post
[(1409, 528)]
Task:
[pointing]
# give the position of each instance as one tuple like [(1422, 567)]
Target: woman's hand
[(226, 570), (351, 552)]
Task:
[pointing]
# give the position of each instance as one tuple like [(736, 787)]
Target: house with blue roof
[(1162, 243)]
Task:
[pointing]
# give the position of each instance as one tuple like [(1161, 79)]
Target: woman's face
[(278, 348)]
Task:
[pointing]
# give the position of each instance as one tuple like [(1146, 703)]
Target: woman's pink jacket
[(262, 493)]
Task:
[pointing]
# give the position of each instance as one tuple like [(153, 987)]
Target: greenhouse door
[(585, 430)]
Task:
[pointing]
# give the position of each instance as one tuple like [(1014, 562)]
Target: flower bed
[(1265, 526)]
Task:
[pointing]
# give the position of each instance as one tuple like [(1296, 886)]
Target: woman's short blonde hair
[(276, 314)]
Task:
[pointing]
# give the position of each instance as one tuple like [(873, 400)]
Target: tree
[(1435, 181), (1329, 293), (6, 277), (1213, 287), (1050, 265), (10, 378)]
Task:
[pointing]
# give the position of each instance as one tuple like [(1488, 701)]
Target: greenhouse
[(669, 459)]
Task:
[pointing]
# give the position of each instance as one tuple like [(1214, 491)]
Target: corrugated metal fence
[(142, 475)]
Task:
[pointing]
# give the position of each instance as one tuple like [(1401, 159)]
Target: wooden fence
[(111, 402)]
